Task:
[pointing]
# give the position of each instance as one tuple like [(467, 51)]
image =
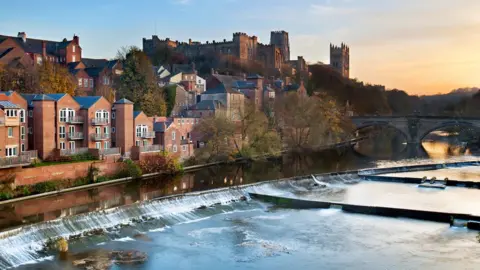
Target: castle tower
[(280, 39), (340, 59), (124, 135)]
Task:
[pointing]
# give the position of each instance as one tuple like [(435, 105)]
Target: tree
[(309, 122), (24, 80), (251, 122), (153, 103), (106, 91), (138, 80), (170, 97), (54, 78), (217, 132)]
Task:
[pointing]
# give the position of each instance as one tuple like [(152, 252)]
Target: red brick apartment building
[(175, 136)]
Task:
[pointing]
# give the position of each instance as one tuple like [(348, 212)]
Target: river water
[(179, 232)]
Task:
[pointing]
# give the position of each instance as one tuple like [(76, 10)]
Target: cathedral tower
[(340, 59), (280, 39)]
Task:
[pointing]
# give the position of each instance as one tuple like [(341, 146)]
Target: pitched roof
[(254, 76), (123, 101), (32, 45), (244, 85), (161, 126), (87, 102), (94, 71), (91, 62), (42, 97), (8, 105), (56, 97), (136, 113), (207, 105)]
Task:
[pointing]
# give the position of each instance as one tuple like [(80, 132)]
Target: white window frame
[(173, 135), (80, 81), (106, 131), (71, 130), (91, 82), (62, 132), (71, 145), (184, 148), (62, 146), (85, 82), (11, 113), (11, 151), (22, 116), (66, 114), (137, 143), (106, 145), (145, 142), (10, 132), (22, 147), (98, 145), (102, 114), (174, 148), (98, 131), (22, 133)]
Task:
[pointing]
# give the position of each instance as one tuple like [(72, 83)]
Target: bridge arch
[(367, 124), (446, 124)]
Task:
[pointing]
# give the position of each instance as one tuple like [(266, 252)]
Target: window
[(98, 145), (173, 135), (62, 145), (73, 49), (22, 115), (23, 147), (91, 83), (105, 131), (102, 114), (141, 130), (10, 132), (106, 80), (137, 143), (113, 130), (106, 145), (71, 145), (174, 148), (65, 114), (74, 59), (85, 82), (113, 115), (39, 60), (145, 142), (11, 151), (71, 130), (184, 148), (80, 82), (30, 130), (30, 113), (97, 130), (62, 132), (22, 133), (11, 113)]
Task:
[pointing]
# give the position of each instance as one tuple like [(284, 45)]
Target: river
[(180, 233)]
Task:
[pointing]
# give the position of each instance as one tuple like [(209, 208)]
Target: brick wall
[(30, 176)]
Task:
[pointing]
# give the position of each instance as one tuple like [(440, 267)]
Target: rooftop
[(87, 102)]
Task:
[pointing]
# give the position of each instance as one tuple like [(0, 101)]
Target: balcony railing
[(72, 152), (186, 141), (75, 135), (75, 120), (110, 151), (147, 135), (25, 158), (99, 121), (150, 148), (99, 137)]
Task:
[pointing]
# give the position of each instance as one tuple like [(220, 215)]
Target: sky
[(420, 46)]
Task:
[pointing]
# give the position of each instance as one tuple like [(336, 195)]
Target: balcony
[(150, 148), (12, 121), (110, 151), (99, 121), (186, 141), (100, 137), (72, 152), (147, 135), (24, 159), (75, 136), (75, 120)]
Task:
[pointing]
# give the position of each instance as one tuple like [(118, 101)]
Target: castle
[(242, 46), (340, 59)]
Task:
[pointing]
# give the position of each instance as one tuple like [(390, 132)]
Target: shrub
[(161, 163), (131, 169), (44, 187), (5, 195)]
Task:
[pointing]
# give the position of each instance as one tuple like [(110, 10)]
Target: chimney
[(44, 48), (23, 36), (190, 41), (76, 40)]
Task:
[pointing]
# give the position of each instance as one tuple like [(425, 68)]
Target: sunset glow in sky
[(421, 46)]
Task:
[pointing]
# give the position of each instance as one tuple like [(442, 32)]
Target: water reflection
[(106, 197)]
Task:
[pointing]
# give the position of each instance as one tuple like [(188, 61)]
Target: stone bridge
[(414, 128)]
